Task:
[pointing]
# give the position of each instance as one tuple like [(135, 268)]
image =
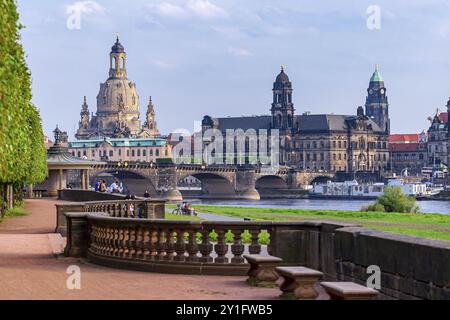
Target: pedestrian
[(97, 186)]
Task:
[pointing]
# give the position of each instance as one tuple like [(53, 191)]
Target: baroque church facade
[(328, 142), (117, 113)]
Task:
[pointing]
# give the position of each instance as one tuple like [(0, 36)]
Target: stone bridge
[(218, 182)]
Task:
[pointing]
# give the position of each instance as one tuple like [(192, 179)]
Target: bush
[(394, 200), (374, 207)]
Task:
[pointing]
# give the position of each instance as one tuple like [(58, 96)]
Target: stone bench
[(299, 282), (348, 291), (262, 269)]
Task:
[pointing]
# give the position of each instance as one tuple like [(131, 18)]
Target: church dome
[(282, 77), (118, 94), (117, 47)]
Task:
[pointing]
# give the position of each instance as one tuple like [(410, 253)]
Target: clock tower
[(377, 106)]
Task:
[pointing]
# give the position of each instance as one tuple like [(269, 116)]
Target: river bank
[(431, 226)]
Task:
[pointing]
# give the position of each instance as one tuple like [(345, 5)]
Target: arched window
[(111, 153), (133, 100), (157, 152), (144, 153)]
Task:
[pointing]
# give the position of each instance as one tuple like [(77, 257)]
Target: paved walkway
[(30, 270)]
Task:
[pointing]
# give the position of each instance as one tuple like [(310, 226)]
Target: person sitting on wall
[(146, 194), (97, 186), (103, 187), (115, 187)]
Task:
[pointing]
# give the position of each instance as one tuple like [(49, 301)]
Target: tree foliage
[(22, 149), (394, 200)]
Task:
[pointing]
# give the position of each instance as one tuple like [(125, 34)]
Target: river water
[(354, 205)]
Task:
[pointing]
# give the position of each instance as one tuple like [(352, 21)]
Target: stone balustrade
[(193, 247), (151, 209), (410, 268)]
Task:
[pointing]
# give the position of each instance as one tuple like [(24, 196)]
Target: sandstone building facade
[(117, 113), (328, 142)]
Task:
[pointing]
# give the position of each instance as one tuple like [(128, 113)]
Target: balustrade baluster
[(126, 237), (237, 248), (154, 244), (206, 247), (107, 240), (254, 247), (146, 244), (116, 245), (180, 246), (139, 243), (121, 241), (192, 247), (169, 246), (221, 248), (161, 245), (132, 243)]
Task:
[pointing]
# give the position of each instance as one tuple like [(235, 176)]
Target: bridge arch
[(214, 185), (271, 182), (320, 179)]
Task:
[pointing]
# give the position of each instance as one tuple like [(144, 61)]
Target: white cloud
[(163, 64), (205, 9), (167, 9), (193, 8), (84, 7), (239, 52)]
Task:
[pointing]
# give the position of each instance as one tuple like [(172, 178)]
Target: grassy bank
[(431, 226)]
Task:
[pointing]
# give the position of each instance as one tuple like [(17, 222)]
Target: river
[(354, 205)]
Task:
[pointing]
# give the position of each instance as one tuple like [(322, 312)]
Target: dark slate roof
[(327, 122), (117, 47), (282, 77), (244, 123)]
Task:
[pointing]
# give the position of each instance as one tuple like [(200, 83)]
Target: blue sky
[(220, 57)]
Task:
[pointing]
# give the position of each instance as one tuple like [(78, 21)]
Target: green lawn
[(18, 211), (431, 226)]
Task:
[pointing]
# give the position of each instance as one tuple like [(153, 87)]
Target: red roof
[(404, 138), (443, 116), (406, 147)]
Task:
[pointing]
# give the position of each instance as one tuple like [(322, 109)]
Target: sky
[(220, 57)]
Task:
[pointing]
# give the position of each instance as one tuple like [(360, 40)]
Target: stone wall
[(79, 195), (411, 268)]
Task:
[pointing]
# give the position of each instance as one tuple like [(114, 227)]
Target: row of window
[(110, 153), (407, 156), (338, 156), (343, 144)]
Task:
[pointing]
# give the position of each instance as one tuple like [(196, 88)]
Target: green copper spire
[(376, 77)]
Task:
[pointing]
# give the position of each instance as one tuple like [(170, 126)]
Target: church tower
[(150, 122), (83, 125), (377, 106), (282, 107), (117, 61)]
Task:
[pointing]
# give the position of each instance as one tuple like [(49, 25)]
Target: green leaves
[(22, 150)]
